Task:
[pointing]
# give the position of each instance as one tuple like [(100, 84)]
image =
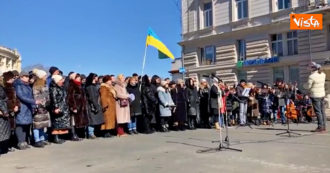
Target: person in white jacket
[(316, 86), (166, 105)]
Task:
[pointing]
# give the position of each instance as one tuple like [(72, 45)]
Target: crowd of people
[(37, 108)]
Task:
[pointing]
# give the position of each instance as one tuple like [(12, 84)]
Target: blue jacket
[(25, 95), (49, 80)]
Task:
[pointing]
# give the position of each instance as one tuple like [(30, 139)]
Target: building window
[(284, 4), (208, 18), (292, 43), (278, 74), (242, 9), (294, 75), (241, 50), (207, 55), (277, 45)]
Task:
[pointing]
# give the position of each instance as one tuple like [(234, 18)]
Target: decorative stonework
[(9, 59)]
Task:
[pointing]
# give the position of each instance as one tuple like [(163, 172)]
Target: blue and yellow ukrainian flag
[(153, 40)]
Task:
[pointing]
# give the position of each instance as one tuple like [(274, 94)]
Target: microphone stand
[(221, 146)]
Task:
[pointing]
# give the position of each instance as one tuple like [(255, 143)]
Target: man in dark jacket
[(24, 117), (244, 98)]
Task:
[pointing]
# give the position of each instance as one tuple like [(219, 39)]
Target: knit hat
[(52, 70), (57, 78), (7, 76), (39, 73)]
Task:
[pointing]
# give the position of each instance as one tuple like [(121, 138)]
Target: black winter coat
[(58, 100), (214, 94), (204, 95), (4, 121), (95, 114), (149, 101), (180, 100), (135, 106), (77, 101), (192, 101)]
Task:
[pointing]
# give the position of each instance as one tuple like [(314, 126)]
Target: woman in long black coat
[(95, 114), (148, 104), (204, 94), (155, 83), (60, 118), (77, 105), (180, 100), (192, 103)]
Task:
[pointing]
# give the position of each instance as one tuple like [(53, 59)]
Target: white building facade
[(234, 38), (9, 60)]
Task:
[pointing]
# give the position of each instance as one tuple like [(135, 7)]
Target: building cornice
[(10, 52)]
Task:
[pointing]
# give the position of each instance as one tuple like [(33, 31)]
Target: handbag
[(123, 102)]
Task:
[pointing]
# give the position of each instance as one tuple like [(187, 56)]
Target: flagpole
[(144, 60), (143, 64)]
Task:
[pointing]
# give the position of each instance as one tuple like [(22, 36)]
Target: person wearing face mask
[(59, 109), (135, 106)]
